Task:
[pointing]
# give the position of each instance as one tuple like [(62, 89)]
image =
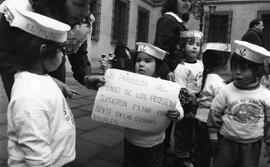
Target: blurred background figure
[(122, 59), (103, 63)]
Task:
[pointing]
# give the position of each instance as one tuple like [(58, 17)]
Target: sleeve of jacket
[(80, 64), (217, 109), (7, 63), (32, 127)]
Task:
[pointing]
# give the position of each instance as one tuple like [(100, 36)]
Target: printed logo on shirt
[(246, 110)]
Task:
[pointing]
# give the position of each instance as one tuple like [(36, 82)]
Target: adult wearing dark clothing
[(76, 13), (174, 13), (122, 59), (254, 34)]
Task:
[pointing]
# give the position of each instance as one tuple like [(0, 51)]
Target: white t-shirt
[(41, 129), (212, 85), (189, 75)]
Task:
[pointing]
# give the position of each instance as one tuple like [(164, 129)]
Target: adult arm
[(80, 64), (81, 68)]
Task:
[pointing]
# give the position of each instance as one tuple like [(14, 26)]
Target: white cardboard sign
[(135, 101)]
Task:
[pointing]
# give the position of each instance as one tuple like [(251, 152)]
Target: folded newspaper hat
[(251, 52), (35, 24), (151, 50), (191, 33), (223, 47)]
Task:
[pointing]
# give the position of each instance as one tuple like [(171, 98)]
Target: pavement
[(97, 144)]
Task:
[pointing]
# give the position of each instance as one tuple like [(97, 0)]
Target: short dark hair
[(51, 8), (26, 48), (54, 8), (254, 22)]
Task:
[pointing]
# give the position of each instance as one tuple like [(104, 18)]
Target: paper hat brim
[(223, 47), (36, 24), (251, 52), (151, 50), (191, 33)]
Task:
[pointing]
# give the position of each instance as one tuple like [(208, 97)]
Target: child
[(142, 149), (239, 117), (41, 129), (188, 74), (215, 56)]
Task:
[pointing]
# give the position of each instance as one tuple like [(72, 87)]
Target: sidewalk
[(98, 145)]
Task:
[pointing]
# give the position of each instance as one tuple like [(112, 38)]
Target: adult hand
[(170, 76), (66, 90), (94, 81)]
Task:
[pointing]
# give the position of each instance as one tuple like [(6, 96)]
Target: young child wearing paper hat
[(215, 57), (188, 74), (240, 113), (41, 129), (142, 148)]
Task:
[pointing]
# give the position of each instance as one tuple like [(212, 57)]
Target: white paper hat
[(151, 50), (251, 52), (191, 33), (223, 47), (35, 24)]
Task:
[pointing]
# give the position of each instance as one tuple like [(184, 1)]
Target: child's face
[(192, 49), (145, 64), (53, 62), (243, 75)]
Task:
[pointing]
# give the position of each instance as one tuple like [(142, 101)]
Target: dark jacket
[(167, 37), (254, 36)]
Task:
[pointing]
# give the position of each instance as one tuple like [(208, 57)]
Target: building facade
[(131, 21), (231, 19), (135, 20)]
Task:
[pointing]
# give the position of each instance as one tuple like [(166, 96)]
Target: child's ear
[(43, 50)]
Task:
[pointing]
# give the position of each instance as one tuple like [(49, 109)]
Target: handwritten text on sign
[(135, 101)]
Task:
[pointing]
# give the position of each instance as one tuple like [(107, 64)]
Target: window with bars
[(265, 16), (120, 21), (142, 25), (218, 27), (96, 25)]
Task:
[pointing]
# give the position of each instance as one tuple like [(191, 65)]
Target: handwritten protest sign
[(135, 101)]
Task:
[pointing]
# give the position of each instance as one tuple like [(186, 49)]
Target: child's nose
[(142, 63)]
